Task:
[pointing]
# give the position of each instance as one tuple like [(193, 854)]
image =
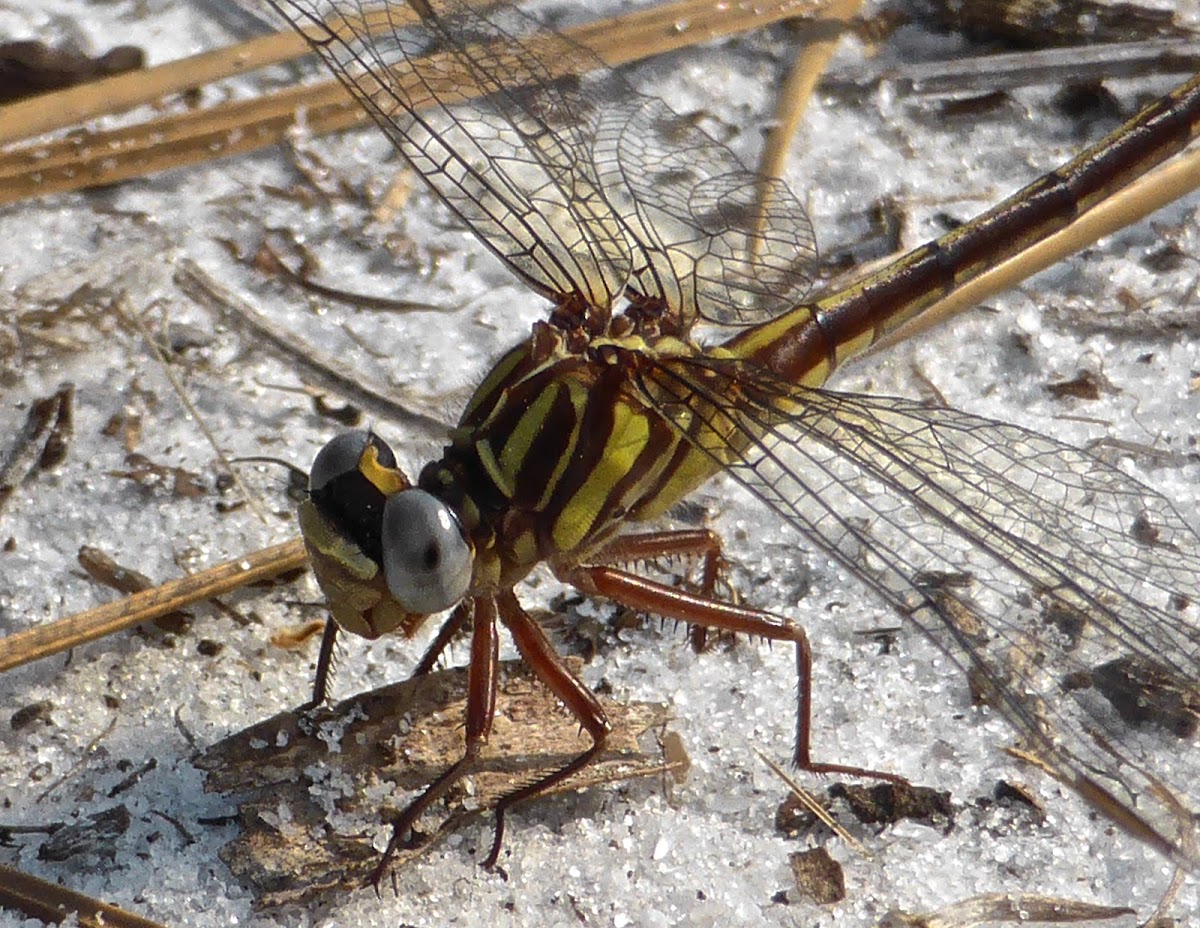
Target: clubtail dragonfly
[(642, 231)]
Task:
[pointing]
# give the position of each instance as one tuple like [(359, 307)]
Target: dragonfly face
[(637, 226), (387, 554)]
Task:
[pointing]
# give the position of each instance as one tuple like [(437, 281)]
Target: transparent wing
[(1066, 590), (584, 187)]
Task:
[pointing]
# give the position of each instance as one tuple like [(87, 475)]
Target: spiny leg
[(544, 660), (324, 665), (699, 543), (481, 708), (657, 598), (652, 546), (459, 619)]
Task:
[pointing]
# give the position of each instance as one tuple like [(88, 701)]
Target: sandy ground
[(707, 852)]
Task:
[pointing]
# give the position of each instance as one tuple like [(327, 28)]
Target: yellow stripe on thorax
[(505, 467), (497, 378), (626, 440), (516, 446)]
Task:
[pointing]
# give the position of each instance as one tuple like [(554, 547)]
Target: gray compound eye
[(341, 456), (426, 559)]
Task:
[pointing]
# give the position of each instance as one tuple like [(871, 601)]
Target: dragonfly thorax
[(556, 451)]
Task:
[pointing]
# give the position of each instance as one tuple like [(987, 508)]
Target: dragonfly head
[(387, 554)]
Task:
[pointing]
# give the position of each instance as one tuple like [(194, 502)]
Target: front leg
[(545, 661), (481, 709), (324, 667)]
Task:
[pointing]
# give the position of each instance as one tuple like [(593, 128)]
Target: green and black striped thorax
[(558, 447)]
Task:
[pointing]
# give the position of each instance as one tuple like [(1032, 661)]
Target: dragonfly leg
[(700, 543), (324, 666), (458, 621), (544, 660), (659, 599), (481, 708)]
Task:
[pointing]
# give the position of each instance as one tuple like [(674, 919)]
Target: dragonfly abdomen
[(805, 344)]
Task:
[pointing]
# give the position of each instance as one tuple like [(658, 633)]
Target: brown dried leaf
[(42, 442), (818, 876), (184, 484), (400, 737), (29, 67), (103, 569), (879, 804)]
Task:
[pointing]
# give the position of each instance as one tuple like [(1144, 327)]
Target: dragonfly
[(682, 342)]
